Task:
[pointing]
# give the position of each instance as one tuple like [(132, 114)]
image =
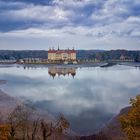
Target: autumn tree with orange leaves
[(130, 123)]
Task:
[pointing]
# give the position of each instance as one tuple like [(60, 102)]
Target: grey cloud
[(94, 22)]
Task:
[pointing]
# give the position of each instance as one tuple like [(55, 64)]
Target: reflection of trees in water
[(53, 71), (30, 67)]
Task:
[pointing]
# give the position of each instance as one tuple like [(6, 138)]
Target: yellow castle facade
[(61, 55)]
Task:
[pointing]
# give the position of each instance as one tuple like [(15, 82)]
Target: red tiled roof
[(61, 51), (52, 51)]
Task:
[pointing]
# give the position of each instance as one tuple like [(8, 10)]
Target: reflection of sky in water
[(88, 101)]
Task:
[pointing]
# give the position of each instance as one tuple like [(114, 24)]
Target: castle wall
[(56, 55)]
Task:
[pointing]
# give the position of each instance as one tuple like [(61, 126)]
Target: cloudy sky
[(83, 24)]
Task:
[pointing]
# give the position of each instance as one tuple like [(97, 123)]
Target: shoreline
[(89, 64)]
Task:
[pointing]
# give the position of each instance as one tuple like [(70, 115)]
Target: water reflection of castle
[(53, 71)]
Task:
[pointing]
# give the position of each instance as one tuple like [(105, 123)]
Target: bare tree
[(19, 120), (33, 132), (46, 129), (61, 126), (13, 123), (22, 126), (58, 128)]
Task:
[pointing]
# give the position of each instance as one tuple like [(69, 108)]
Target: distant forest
[(81, 54)]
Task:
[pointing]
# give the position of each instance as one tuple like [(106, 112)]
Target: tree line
[(101, 55)]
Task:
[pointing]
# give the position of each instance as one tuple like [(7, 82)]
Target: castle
[(61, 55), (53, 71)]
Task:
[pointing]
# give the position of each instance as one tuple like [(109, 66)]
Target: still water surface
[(88, 97)]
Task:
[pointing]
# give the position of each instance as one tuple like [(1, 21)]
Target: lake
[(88, 96)]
